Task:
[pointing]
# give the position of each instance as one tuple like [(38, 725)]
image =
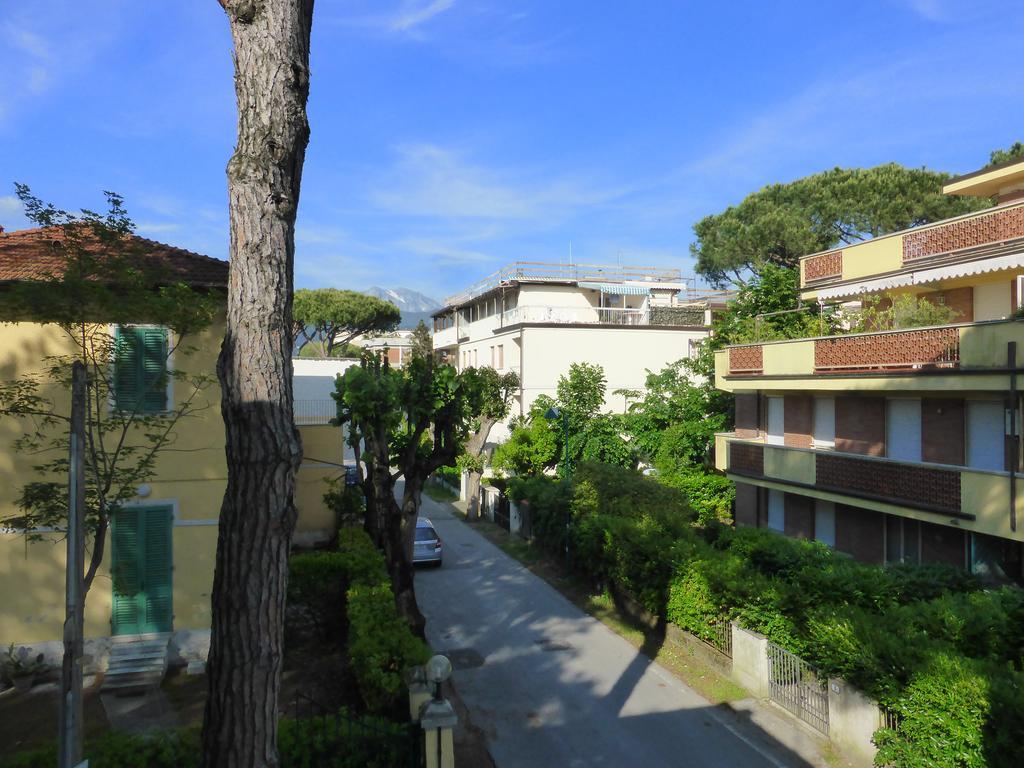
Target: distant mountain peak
[(413, 305), (406, 299)]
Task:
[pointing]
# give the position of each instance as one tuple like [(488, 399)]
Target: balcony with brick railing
[(975, 499), (992, 232), (964, 348)]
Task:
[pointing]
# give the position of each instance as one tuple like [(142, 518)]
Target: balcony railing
[(927, 347), (951, 348), (934, 488), (992, 232), (314, 412), (571, 315), (539, 271), (984, 229)]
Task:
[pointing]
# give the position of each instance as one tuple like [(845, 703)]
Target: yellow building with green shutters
[(157, 570)]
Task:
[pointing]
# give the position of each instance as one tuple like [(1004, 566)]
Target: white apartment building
[(537, 319)]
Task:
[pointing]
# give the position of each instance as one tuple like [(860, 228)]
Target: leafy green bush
[(942, 718), (117, 749), (349, 589), (347, 502), (450, 475), (711, 496), (380, 644), (317, 742)]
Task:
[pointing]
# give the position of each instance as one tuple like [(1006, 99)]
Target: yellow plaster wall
[(190, 477), (721, 451), (883, 254), (984, 346), (789, 358), (789, 464)]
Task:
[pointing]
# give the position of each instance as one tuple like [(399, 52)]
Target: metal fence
[(795, 685), (331, 734), (311, 412), (888, 719), (721, 639)]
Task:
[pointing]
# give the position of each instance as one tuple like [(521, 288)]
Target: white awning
[(924, 276), (619, 289)]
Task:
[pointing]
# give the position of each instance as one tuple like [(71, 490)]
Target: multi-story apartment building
[(896, 446), (536, 319)]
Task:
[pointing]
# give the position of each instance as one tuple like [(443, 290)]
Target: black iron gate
[(501, 512)]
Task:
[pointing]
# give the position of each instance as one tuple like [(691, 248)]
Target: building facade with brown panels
[(903, 443)]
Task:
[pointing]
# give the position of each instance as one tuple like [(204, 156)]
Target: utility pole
[(71, 725)]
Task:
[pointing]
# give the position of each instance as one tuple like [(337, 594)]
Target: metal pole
[(71, 677), (1011, 363), (568, 477)]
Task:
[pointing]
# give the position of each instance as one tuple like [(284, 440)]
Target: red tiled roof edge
[(30, 254)]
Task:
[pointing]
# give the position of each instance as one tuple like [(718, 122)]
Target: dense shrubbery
[(352, 584), (928, 642), (366, 742), (450, 475)]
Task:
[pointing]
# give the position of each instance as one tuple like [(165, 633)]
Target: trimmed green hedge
[(352, 584), (912, 637), (365, 742)]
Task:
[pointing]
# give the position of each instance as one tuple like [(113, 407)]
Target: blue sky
[(451, 136)]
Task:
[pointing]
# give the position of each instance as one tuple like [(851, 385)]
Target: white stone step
[(136, 662)]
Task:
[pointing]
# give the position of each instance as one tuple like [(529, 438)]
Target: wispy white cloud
[(443, 252), (408, 18), (10, 206), (932, 10), (432, 181), (414, 14), (156, 228)]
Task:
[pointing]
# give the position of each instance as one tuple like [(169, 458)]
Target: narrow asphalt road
[(551, 686)]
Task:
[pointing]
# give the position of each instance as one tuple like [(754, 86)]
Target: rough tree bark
[(271, 40), (475, 448)]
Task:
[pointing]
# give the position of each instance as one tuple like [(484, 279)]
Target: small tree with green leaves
[(493, 392), (329, 318), (403, 424), (422, 341), (533, 445), (103, 277)]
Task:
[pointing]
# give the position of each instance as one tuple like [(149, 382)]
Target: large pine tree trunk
[(271, 39)]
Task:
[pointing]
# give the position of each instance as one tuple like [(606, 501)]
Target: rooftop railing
[(541, 271)]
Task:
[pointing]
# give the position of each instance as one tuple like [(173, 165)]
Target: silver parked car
[(427, 547)]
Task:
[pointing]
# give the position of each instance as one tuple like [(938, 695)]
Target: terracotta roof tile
[(33, 254)]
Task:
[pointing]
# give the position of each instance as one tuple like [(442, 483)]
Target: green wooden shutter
[(140, 371), (156, 568), (153, 345), (127, 382), (127, 585)]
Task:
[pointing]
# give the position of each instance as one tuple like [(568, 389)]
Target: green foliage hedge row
[(320, 742), (929, 642), (352, 584)]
